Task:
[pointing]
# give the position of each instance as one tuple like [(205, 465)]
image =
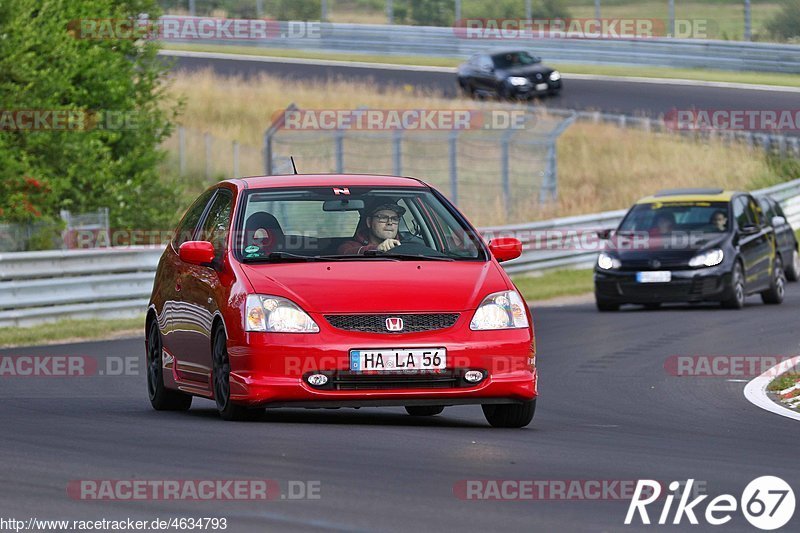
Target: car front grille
[(346, 380), (412, 323)]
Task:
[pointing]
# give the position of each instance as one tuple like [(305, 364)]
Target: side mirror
[(748, 229), (505, 248), (197, 252), (778, 220), (604, 234)]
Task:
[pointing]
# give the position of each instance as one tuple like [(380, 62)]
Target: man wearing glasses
[(378, 232)]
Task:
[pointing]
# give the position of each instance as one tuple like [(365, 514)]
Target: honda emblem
[(394, 324)]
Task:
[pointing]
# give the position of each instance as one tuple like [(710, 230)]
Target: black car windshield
[(514, 59), (352, 223), (665, 218)]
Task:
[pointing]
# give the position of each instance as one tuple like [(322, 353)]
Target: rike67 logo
[(767, 503)]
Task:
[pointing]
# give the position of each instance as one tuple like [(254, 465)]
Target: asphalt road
[(608, 410), (634, 98)]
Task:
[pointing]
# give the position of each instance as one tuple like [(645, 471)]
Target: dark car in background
[(690, 245), (784, 236), (508, 74)]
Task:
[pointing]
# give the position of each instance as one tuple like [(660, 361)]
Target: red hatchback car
[(337, 291)]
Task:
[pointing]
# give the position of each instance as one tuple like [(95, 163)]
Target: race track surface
[(608, 410)]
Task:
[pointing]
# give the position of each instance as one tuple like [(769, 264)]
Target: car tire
[(509, 415), (737, 289), (605, 305), (424, 410), (777, 286), (793, 267), (161, 398), (220, 379)]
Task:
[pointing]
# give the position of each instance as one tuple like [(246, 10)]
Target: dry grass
[(600, 167)]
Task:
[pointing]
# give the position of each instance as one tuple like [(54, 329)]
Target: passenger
[(378, 230)]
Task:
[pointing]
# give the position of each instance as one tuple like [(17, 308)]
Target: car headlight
[(555, 75), (709, 259), (518, 80), (608, 262), (274, 314), (501, 310)]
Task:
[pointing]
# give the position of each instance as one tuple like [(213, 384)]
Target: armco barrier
[(102, 283)]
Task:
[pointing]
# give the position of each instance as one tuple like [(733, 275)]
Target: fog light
[(473, 376), (317, 380)]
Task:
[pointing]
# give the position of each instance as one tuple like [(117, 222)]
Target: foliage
[(785, 24)]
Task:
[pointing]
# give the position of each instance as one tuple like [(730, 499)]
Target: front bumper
[(270, 370), (535, 87), (695, 285)]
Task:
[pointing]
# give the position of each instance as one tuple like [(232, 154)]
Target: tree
[(785, 24), (108, 156)]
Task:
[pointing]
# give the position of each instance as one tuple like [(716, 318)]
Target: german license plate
[(541, 86), (657, 276), (394, 360)]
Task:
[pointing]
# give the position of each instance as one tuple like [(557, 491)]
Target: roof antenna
[(294, 167)]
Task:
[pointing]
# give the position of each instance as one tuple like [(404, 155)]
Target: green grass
[(554, 284), (785, 80), (69, 330), (783, 382)]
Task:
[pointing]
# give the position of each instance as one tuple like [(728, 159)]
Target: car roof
[(689, 195), (498, 51), (327, 180)]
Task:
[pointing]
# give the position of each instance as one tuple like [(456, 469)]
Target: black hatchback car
[(507, 74), (690, 245)]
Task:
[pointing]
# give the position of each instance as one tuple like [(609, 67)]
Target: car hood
[(375, 286), (528, 70)]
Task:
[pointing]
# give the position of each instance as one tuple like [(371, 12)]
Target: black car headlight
[(708, 258), (607, 261)]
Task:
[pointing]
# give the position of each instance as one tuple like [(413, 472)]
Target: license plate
[(394, 360), (658, 276), (541, 86)]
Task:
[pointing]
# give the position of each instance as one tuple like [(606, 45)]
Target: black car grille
[(377, 323), (346, 380)]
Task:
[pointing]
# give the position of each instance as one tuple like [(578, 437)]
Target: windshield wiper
[(274, 257)]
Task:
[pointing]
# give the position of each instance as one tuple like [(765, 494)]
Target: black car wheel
[(777, 287), (514, 415), (793, 268), (467, 88), (221, 377), (424, 410), (161, 398), (737, 289)]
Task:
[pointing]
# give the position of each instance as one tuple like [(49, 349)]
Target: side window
[(754, 212), (218, 221), (740, 213), (779, 210), (185, 230)]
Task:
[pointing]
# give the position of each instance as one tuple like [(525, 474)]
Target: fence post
[(235, 159), (339, 148), (389, 12), (267, 153), (454, 166), (259, 8), (458, 10), (549, 189), (397, 152), (504, 170), (192, 9), (207, 139), (182, 150)]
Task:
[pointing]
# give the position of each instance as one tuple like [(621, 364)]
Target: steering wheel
[(414, 248)]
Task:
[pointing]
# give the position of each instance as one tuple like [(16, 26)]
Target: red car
[(337, 291)]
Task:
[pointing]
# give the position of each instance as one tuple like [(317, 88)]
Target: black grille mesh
[(377, 323)]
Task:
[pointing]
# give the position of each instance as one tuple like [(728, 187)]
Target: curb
[(756, 391)]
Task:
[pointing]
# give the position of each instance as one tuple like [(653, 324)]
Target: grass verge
[(784, 381), (554, 284), (70, 330), (757, 78)]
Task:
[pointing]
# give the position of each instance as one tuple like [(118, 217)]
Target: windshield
[(666, 218), (349, 223), (514, 59)]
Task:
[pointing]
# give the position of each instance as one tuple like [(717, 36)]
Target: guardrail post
[(397, 152), (454, 166), (182, 150)]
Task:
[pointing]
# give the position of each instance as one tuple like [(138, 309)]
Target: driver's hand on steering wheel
[(388, 244)]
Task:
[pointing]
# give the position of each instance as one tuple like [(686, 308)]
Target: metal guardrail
[(448, 42), (101, 283)]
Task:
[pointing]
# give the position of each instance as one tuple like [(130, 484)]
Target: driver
[(379, 231)]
